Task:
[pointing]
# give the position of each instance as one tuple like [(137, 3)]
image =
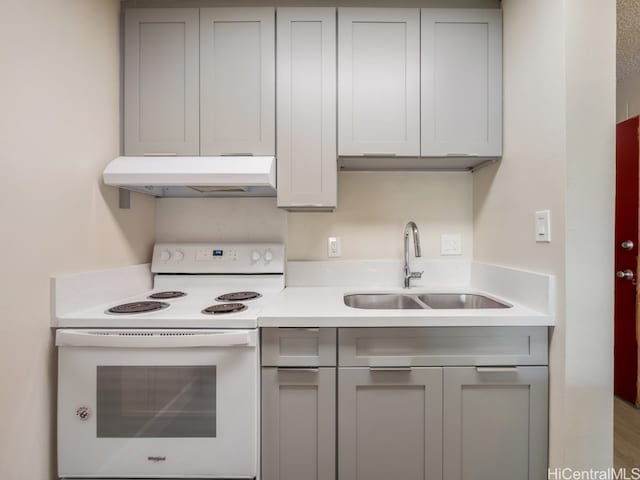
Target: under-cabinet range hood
[(170, 176)]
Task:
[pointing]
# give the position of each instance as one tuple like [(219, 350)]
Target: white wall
[(628, 97), (220, 220), (559, 77), (373, 208), (532, 174), (591, 98), (59, 126)]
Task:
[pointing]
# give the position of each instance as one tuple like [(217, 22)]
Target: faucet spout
[(411, 228)]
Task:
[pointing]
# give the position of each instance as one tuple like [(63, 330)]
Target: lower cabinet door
[(298, 423), (495, 423), (390, 424)]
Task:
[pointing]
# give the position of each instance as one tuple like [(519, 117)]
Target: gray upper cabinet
[(306, 79), (379, 81), (495, 423), (461, 82), (161, 99), (390, 424), (237, 81), (298, 424)]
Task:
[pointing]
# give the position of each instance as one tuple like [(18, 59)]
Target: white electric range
[(165, 384)]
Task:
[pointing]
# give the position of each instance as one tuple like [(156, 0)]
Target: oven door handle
[(156, 338)]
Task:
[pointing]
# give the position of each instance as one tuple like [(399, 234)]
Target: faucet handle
[(417, 274)]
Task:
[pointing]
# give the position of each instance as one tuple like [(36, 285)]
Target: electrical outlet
[(333, 246), (451, 244)]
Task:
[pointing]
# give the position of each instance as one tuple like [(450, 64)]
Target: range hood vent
[(228, 176)]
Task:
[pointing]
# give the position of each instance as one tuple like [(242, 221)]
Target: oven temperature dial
[(83, 412), (178, 255), (268, 256), (165, 255), (255, 256)]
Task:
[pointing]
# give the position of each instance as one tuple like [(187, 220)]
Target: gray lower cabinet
[(298, 423), (412, 404), (390, 424), (495, 423)]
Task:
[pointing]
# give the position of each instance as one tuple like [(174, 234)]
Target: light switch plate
[(333, 246), (451, 244), (543, 226)]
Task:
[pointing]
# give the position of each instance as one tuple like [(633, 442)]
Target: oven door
[(157, 403)]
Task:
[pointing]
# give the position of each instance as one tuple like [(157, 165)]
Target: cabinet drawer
[(299, 347), (447, 346)]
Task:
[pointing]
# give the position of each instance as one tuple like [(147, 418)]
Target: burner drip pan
[(167, 295), (138, 307), (238, 296), (224, 308)]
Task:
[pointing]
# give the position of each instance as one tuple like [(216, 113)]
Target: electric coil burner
[(138, 307), (238, 296), (167, 295), (224, 308)]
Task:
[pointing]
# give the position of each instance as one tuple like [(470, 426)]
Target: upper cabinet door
[(161, 103), (461, 82), (307, 168), (379, 81), (237, 81)]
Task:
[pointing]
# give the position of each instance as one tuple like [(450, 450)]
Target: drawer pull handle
[(390, 369), (496, 369), (295, 369), (301, 329)]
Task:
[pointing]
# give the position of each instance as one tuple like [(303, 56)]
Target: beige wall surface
[(220, 220), (59, 126), (591, 116), (373, 208), (559, 101), (531, 175)]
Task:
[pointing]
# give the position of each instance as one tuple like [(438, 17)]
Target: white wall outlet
[(543, 226), (451, 244), (333, 246)]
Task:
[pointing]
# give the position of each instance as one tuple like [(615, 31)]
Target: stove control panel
[(218, 258)]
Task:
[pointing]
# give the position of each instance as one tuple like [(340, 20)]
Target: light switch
[(333, 246), (543, 226), (451, 244)]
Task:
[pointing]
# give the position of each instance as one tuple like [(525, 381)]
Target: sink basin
[(459, 300), (436, 301), (382, 301)]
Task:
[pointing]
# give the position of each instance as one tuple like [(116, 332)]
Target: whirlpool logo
[(157, 459)]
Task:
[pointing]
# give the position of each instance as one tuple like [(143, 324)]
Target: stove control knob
[(178, 255), (268, 256), (255, 256), (83, 413), (165, 255)]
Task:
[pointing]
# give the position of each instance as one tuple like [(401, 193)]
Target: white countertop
[(314, 296), (324, 307)]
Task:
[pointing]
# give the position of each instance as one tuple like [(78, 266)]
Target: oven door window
[(156, 401)]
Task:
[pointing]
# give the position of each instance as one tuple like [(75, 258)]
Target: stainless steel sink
[(436, 301), (381, 301), (459, 300)]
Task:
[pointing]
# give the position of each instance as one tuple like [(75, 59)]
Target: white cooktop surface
[(185, 312)]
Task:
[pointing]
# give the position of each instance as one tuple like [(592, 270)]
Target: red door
[(626, 260)]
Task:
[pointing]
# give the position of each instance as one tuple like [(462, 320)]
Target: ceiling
[(628, 61)]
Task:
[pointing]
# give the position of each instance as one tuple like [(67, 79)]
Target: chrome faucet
[(408, 274)]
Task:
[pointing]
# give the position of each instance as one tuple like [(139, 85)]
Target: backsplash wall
[(373, 208)]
